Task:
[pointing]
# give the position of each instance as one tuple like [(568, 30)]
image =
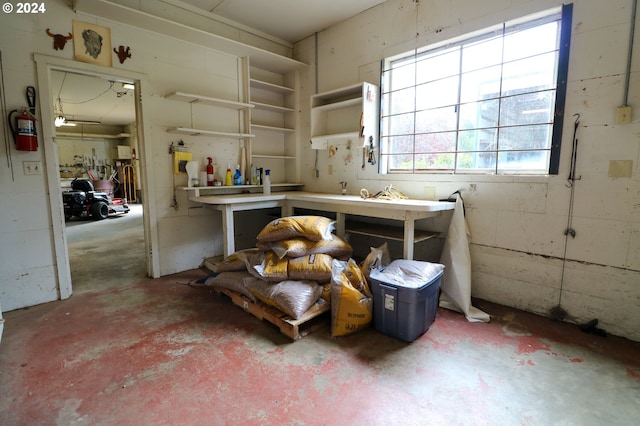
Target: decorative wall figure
[(59, 40), (92, 43), (123, 53)]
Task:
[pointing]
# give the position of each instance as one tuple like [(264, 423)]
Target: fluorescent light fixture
[(129, 86), (59, 121)]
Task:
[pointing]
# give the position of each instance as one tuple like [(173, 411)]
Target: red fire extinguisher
[(23, 127)]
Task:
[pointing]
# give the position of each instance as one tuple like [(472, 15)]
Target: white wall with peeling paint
[(518, 223)]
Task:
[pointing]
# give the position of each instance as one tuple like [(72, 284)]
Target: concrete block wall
[(518, 222), (186, 234)]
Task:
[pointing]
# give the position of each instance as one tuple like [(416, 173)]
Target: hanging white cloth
[(455, 285)]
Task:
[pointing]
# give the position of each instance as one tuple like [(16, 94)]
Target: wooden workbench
[(405, 211)]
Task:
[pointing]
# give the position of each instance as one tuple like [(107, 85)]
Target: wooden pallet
[(295, 329)]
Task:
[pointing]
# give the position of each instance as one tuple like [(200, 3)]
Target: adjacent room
[(320, 213)]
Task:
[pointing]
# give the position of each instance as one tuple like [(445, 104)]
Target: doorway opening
[(95, 120)]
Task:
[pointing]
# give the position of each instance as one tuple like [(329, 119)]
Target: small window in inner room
[(491, 103)]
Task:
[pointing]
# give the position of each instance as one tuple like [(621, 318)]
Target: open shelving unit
[(347, 113)]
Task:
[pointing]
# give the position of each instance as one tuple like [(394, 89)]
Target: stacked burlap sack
[(297, 261)]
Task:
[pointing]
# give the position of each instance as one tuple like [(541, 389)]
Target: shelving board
[(339, 104), (385, 231), (272, 128), (237, 188), (195, 99), (274, 157), (200, 132), (259, 84), (270, 107)]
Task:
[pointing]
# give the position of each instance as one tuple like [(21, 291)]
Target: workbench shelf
[(390, 232), (199, 190)]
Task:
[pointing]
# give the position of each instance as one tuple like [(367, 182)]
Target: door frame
[(44, 65)]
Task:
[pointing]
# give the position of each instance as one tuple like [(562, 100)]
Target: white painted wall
[(518, 222), (185, 235)]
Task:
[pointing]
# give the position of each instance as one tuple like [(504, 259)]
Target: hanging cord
[(388, 193), (3, 105), (558, 312)]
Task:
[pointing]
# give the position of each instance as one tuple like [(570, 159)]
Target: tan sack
[(314, 228), (351, 299)]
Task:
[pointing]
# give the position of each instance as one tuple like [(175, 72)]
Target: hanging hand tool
[(372, 158)]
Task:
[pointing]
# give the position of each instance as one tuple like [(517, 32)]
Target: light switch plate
[(32, 167)]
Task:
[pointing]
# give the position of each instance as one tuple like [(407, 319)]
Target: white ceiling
[(91, 98), (289, 20)]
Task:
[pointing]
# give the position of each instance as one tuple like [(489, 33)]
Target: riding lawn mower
[(83, 201)]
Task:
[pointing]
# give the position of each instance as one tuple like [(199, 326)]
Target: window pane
[(480, 85), (533, 161), (399, 144), (436, 120), (525, 137), (400, 162), (436, 142), (398, 124), (478, 140), (401, 77), (442, 161), (537, 73), (482, 54), (531, 108), (436, 94), (531, 41), (439, 65), (399, 101), (476, 161), (479, 114)]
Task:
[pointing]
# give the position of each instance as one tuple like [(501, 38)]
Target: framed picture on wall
[(92, 43)]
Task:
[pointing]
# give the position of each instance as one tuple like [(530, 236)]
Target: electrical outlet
[(31, 168), (623, 114)]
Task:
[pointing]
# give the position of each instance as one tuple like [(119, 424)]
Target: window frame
[(563, 15)]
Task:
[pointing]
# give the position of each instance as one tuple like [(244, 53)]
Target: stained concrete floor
[(169, 352)]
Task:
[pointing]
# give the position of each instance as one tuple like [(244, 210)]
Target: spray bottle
[(266, 187), (228, 180), (210, 172), (237, 178)]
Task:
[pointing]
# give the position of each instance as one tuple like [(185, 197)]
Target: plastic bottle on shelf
[(228, 181), (210, 172), (266, 186), (237, 178)]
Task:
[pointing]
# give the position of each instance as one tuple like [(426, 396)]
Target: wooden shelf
[(386, 231), (340, 104), (206, 100), (269, 107), (199, 132), (271, 128), (263, 85), (237, 188), (275, 157)]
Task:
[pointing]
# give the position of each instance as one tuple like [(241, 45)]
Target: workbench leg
[(228, 231), (286, 210), (409, 231), (340, 224)]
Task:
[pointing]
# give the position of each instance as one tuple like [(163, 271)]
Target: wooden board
[(293, 328), (386, 231)]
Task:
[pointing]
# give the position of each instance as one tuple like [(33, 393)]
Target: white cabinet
[(209, 101), (344, 114)]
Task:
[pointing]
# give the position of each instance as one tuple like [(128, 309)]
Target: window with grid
[(492, 103)]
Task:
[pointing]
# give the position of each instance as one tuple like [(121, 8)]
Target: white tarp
[(455, 285)]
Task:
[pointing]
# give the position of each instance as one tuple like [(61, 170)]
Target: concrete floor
[(164, 352)]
